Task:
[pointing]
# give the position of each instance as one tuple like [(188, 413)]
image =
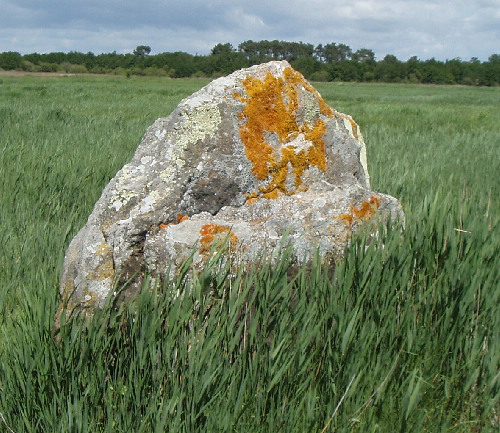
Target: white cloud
[(425, 28)]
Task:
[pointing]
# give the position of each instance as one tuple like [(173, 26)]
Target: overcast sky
[(443, 29)]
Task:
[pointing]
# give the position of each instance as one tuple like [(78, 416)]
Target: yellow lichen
[(89, 297), (104, 271), (103, 249), (269, 117), (213, 234)]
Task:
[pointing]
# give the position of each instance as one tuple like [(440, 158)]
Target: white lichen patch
[(128, 172), (203, 121), (160, 134), (167, 174), (311, 107), (99, 289), (121, 198), (319, 202), (147, 160), (149, 202)]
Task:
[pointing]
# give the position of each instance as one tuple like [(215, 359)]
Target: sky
[(427, 29)]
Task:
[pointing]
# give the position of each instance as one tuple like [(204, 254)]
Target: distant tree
[(319, 53), (321, 75), (364, 55), (111, 60), (349, 71), (142, 51), (324, 62), (491, 75), (455, 67), (334, 53), (435, 72), (223, 60), (249, 49), (412, 70), (390, 69), (298, 50), (494, 59), (222, 49), (10, 60), (390, 59), (161, 60), (182, 64), (57, 57), (307, 65), (48, 67), (34, 58), (257, 52), (90, 60), (254, 52)]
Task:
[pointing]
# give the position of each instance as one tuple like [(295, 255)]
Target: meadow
[(402, 335)]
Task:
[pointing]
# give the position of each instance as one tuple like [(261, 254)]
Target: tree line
[(329, 62)]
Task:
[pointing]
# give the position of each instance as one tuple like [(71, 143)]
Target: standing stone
[(247, 159)]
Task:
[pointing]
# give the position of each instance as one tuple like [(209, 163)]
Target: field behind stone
[(401, 336)]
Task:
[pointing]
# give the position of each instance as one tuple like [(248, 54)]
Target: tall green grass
[(402, 335)]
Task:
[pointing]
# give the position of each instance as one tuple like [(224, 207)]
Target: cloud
[(425, 28)]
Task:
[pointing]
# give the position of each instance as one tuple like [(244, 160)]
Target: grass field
[(399, 338)]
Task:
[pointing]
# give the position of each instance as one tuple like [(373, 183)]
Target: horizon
[(426, 29), (236, 49)]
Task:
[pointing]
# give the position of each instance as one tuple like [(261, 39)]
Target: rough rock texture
[(248, 158)]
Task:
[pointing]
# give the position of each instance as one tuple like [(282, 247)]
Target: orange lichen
[(270, 115), (324, 108), (213, 234), (367, 209), (346, 218), (363, 213), (181, 218), (297, 79), (252, 198)]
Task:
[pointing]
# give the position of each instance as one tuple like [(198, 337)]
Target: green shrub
[(48, 67), (320, 76), (154, 71), (74, 69)]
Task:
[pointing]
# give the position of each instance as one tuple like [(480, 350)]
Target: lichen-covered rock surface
[(248, 159)]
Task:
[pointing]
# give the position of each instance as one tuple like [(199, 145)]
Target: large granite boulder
[(256, 159)]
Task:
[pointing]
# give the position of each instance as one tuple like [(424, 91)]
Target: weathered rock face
[(248, 158)]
